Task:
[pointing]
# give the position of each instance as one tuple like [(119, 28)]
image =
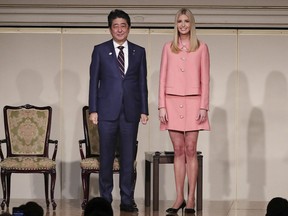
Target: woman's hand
[(163, 115), (202, 116)]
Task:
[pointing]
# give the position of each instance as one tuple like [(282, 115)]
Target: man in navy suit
[(118, 100)]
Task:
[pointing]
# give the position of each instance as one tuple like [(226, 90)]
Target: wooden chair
[(27, 132), (90, 162)]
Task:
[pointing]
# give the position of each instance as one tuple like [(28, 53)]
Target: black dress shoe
[(189, 210), (128, 208), (175, 210), (134, 203)]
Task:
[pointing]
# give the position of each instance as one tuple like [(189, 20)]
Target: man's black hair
[(114, 14), (98, 206), (278, 206), (32, 209)]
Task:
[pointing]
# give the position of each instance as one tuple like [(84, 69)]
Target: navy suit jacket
[(108, 90)]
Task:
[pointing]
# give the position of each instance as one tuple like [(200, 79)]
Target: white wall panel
[(30, 61), (218, 145), (263, 104), (247, 107)]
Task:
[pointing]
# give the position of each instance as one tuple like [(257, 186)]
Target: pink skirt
[(182, 112)]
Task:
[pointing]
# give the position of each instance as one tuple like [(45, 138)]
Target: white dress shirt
[(125, 50)]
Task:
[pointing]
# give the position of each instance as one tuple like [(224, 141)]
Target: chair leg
[(8, 188), (46, 182), (53, 180), (85, 186), (3, 181)]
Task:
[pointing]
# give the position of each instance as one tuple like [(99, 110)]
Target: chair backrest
[(27, 130), (91, 134)]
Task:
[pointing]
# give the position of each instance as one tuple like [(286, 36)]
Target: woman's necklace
[(183, 45)]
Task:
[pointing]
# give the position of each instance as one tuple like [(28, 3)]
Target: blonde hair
[(194, 43)]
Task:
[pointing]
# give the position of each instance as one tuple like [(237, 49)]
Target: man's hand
[(94, 117), (144, 119)]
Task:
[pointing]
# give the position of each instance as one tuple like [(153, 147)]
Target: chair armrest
[(1, 152), (81, 142), (55, 142)]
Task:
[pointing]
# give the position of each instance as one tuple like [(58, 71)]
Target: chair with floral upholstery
[(90, 160), (27, 132)]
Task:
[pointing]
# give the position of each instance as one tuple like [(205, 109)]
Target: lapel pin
[(110, 53)]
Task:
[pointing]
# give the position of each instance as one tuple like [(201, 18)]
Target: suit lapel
[(131, 56), (112, 50), (113, 61)]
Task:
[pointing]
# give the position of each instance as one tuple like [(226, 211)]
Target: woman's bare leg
[(191, 138), (178, 141)]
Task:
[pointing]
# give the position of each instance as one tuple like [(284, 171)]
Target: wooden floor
[(210, 208)]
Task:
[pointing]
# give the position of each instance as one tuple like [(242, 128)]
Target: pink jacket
[(185, 73)]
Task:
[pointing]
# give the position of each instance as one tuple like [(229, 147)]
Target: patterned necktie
[(121, 61)]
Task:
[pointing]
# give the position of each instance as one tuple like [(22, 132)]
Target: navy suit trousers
[(109, 133)]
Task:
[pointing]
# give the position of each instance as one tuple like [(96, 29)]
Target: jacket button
[(181, 116), (181, 106)]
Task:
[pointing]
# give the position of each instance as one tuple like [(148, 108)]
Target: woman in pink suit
[(184, 102)]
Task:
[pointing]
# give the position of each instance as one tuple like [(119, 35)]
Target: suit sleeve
[(94, 79), (143, 85), (162, 78), (205, 78)]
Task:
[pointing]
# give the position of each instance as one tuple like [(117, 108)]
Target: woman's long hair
[(194, 43)]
